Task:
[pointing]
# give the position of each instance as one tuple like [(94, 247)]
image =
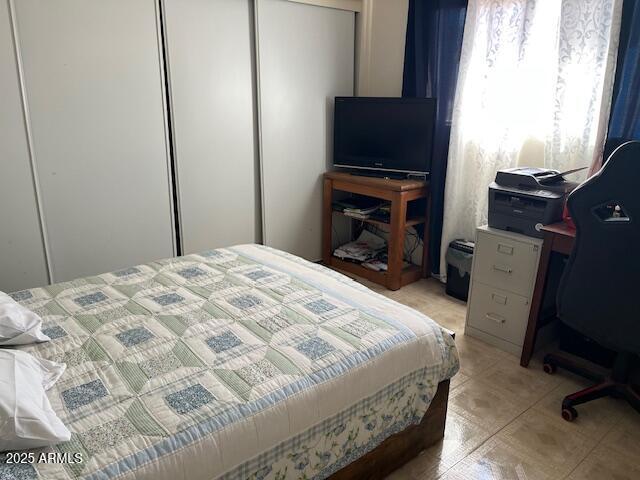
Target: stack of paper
[(359, 208), (366, 247), (360, 213)]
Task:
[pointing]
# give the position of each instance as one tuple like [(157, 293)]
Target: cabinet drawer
[(506, 263), (498, 312)]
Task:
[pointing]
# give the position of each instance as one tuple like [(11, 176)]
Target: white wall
[(381, 31), (303, 63)]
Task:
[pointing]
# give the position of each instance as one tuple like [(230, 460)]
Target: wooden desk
[(558, 237), (399, 193)]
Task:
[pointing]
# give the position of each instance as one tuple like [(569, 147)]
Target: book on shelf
[(360, 208), (357, 215)]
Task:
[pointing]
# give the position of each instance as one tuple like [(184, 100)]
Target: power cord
[(408, 251)]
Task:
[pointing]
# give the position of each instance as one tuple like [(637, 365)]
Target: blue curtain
[(625, 107), (431, 59)]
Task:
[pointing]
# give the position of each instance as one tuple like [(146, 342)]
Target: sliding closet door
[(305, 59), (94, 83), (22, 257), (209, 50)]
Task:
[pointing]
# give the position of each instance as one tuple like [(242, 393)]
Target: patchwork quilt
[(244, 362)]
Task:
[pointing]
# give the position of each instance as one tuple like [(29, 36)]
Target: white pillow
[(26, 417), (18, 325)]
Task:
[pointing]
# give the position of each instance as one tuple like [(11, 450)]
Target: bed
[(243, 362)]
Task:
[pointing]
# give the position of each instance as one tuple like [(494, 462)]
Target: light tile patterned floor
[(504, 421)]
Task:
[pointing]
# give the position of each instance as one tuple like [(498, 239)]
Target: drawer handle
[(494, 317), (501, 299), (503, 268), (506, 249)]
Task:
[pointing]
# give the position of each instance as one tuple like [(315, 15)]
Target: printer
[(524, 199)]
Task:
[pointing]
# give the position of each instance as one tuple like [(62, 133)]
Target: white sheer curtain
[(534, 89)]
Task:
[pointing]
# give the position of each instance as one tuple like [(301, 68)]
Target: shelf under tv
[(411, 222), (409, 274), (399, 193)]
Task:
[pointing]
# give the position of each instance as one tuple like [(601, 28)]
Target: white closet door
[(22, 257), (305, 59), (93, 76), (209, 45)]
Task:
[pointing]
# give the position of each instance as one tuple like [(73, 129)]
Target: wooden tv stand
[(399, 193)]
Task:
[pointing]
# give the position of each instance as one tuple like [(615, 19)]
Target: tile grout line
[(583, 459), (493, 435)]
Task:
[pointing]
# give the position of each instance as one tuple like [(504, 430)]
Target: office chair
[(599, 292)]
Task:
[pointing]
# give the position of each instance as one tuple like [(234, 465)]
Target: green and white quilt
[(244, 362)]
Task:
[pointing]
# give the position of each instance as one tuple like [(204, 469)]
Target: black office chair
[(599, 292)]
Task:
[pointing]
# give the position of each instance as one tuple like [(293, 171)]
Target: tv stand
[(399, 193)]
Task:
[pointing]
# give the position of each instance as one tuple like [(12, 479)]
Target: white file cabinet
[(502, 281)]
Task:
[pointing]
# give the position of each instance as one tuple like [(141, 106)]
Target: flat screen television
[(384, 134)]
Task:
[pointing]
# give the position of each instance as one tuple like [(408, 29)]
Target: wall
[(381, 34)]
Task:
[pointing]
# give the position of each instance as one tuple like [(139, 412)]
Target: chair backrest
[(599, 293)]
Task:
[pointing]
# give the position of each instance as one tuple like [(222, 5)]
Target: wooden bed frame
[(398, 449)]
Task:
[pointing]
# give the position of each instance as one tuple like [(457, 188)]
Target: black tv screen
[(386, 134)]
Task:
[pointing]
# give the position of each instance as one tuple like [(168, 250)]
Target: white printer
[(524, 199)]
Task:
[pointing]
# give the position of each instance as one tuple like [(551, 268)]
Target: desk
[(558, 237)]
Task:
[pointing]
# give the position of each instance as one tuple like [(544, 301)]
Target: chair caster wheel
[(549, 368), (569, 414)]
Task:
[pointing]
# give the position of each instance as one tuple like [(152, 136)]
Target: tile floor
[(504, 421)]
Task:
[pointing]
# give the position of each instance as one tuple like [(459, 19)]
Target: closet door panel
[(209, 45), (22, 257), (305, 59), (93, 76)]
